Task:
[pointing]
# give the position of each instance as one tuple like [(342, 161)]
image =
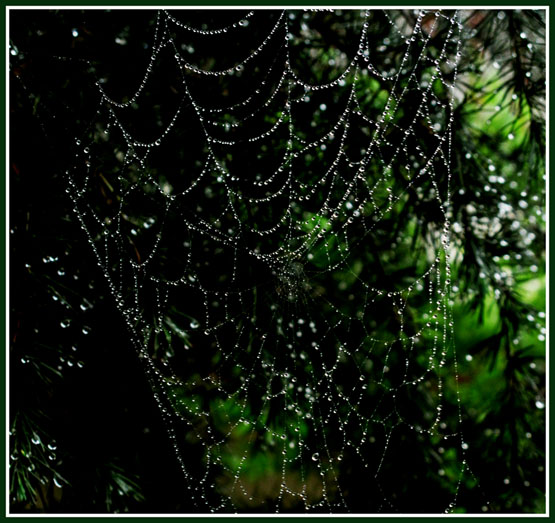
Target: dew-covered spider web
[(244, 194)]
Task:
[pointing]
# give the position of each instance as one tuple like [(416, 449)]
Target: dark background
[(75, 380)]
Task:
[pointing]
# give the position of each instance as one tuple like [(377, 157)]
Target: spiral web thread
[(261, 331)]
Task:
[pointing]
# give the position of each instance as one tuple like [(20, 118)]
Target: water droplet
[(315, 456)]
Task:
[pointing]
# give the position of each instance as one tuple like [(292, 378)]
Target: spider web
[(239, 200)]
